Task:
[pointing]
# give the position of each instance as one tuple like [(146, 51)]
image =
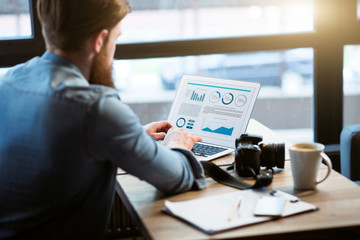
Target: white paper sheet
[(211, 214)]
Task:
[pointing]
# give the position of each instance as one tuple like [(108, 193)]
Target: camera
[(251, 154)]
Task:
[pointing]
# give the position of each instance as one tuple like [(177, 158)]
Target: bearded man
[(64, 131)]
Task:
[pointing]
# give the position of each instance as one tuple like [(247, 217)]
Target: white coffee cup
[(305, 164)]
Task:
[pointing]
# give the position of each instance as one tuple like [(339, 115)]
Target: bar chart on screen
[(197, 95)]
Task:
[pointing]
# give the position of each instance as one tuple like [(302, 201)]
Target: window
[(190, 35), (197, 19), (20, 35), (351, 84), (15, 19), (286, 77), (282, 73)]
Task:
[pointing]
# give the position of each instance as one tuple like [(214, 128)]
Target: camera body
[(251, 154)]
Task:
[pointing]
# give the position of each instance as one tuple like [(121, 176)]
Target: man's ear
[(98, 40)]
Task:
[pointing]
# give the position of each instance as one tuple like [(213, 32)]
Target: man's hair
[(66, 24)]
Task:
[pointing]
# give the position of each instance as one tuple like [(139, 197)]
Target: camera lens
[(272, 155), (280, 153)]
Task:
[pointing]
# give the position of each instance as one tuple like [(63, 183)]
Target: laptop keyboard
[(206, 150)]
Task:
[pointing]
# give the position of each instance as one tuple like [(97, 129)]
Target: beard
[(101, 71)]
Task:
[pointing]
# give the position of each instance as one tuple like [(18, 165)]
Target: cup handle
[(328, 164)]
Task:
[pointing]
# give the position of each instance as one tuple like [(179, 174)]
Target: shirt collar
[(59, 60)]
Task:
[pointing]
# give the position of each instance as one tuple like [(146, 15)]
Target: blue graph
[(180, 122), (197, 97), (220, 130)]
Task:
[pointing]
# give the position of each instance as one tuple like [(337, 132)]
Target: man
[(62, 138)]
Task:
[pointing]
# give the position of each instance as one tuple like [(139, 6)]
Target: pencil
[(235, 209)]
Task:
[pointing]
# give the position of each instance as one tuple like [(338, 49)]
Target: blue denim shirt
[(61, 141)]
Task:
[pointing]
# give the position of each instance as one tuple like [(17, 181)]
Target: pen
[(284, 195), (235, 209)]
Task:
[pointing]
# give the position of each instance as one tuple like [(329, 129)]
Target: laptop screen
[(218, 110)]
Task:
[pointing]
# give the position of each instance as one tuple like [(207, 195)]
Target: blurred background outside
[(285, 102)]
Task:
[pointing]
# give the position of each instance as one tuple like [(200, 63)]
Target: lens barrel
[(272, 155)]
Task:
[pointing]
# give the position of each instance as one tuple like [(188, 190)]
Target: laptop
[(218, 110)]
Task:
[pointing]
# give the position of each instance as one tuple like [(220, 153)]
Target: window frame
[(15, 51), (336, 25)]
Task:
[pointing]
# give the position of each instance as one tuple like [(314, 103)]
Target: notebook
[(218, 110), (212, 214)]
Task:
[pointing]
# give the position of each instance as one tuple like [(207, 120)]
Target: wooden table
[(338, 217)]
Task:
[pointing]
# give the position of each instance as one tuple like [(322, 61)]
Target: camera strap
[(219, 175)]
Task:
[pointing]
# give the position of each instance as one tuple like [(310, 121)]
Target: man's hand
[(179, 138), (157, 130)]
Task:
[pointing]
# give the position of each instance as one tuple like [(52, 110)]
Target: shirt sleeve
[(116, 134)]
